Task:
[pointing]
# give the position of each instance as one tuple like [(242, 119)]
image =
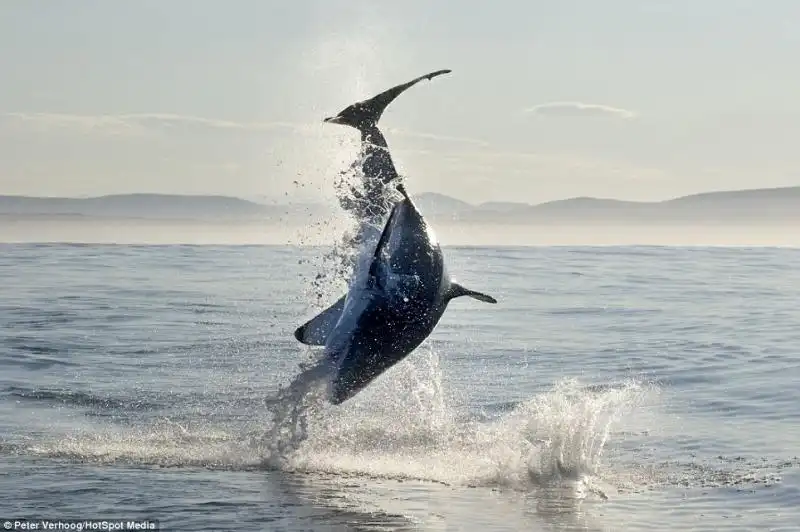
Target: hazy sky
[(628, 99)]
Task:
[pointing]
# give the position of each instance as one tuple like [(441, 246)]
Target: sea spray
[(573, 423), (557, 436), (294, 403), (291, 409), (402, 427)]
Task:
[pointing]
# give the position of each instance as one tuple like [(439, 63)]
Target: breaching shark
[(400, 288)]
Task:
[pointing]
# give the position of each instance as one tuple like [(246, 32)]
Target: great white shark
[(400, 286)]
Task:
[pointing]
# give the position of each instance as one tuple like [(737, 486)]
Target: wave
[(77, 398)]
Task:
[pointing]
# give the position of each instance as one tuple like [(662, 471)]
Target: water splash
[(335, 267), (291, 409), (573, 425), (404, 426)]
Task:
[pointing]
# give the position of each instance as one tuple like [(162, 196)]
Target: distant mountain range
[(729, 207), (150, 206)]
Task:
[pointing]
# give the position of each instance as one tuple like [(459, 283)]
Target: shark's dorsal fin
[(316, 330), (456, 290)]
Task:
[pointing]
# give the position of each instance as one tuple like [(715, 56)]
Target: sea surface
[(612, 388)]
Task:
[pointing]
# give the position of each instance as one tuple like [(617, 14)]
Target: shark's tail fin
[(365, 114)]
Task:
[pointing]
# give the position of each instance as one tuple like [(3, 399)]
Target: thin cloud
[(120, 124), (579, 109), (143, 123), (48, 122)]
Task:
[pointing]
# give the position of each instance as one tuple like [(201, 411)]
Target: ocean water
[(612, 388)]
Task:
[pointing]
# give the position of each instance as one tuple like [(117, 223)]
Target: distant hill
[(434, 204), (727, 207), (148, 206)]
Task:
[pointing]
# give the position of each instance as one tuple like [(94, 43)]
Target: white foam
[(405, 428), (402, 426), (163, 443)]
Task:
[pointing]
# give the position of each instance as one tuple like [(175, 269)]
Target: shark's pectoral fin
[(456, 290), (316, 330)]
